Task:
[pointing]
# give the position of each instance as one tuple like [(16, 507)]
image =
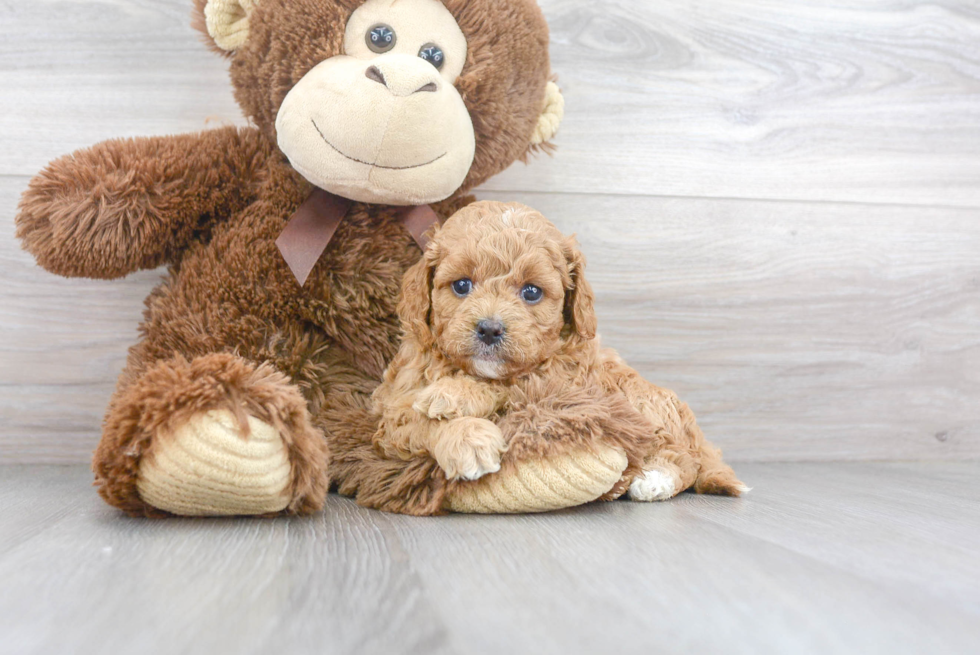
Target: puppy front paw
[(436, 402), (468, 448), (454, 397)]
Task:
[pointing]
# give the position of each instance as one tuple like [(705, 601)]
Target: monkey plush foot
[(208, 467), (562, 480), (214, 436)]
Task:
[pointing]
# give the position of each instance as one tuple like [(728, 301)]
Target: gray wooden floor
[(781, 210), (818, 558)]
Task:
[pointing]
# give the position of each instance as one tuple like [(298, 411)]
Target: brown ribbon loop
[(418, 220), (310, 229)]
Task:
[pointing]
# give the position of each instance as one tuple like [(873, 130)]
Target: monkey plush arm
[(131, 204)]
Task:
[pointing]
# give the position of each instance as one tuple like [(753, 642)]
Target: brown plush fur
[(229, 326), (502, 83), (170, 392), (547, 386)]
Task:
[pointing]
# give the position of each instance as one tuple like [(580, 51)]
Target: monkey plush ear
[(579, 298), (227, 21), (551, 115)]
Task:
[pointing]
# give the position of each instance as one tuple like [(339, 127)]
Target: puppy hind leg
[(713, 476), (669, 467), (683, 452), (664, 476), (717, 477)]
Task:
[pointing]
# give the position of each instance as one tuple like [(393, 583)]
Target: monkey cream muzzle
[(386, 130), (373, 164)]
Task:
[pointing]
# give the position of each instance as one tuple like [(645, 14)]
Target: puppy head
[(498, 291)]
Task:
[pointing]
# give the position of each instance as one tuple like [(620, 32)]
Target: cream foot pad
[(206, 468), (542, 485)]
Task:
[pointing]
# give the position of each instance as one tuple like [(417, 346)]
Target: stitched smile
[(366, 163)]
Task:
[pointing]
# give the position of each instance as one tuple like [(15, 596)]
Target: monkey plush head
[(400, 102)]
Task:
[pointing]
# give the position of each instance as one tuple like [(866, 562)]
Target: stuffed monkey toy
[(285, 242)]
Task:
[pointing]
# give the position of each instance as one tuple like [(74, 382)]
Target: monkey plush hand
[(285, 242)]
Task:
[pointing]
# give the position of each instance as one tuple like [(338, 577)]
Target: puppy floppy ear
[(415, 306), (579, 299)]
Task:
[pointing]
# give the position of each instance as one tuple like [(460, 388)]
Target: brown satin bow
[(310, 229)]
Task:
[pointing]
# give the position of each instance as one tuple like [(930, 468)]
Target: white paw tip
[(652, 485), (479, 472), (744, 489)]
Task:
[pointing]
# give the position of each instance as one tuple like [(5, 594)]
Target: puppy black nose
[(490, 332)]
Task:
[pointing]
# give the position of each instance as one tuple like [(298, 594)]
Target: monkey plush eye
[(380, 38), (531, 294), (462, 287), (432, 54)]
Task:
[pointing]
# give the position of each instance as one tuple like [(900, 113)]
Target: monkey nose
[(375, 75), (490, 332), (403, 76)]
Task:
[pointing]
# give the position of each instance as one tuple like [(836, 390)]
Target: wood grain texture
[(875, 101), (796, 331), (819, 99), (80, 71), (819, 558), (935, 526)]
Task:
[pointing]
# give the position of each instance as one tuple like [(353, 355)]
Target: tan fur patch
[(562, 401), (467, 448), (229, 328)]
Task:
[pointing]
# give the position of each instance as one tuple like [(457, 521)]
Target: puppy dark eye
[(462, 287), (531, 294), (432, 54), (380, 38)]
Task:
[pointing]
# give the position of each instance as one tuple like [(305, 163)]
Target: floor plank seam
[(26, 177)]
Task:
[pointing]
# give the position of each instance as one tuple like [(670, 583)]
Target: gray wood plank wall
[(780, 203)]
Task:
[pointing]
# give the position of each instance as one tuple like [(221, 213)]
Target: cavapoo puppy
[(500, 340)]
